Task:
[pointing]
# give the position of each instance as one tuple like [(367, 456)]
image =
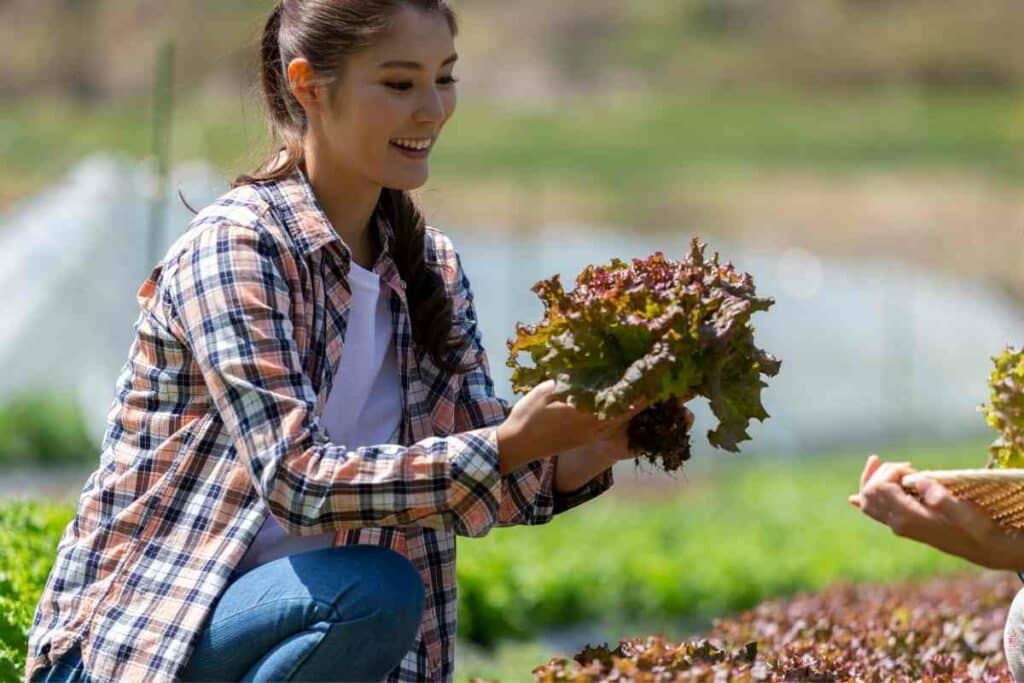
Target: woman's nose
[(431, 110)]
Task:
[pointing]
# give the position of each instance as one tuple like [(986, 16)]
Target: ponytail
[(429, 307), (284, 115)]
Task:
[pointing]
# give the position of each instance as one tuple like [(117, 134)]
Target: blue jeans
[(67, 669), (337, 614)]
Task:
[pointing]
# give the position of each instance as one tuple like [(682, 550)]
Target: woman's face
[(389, 104)]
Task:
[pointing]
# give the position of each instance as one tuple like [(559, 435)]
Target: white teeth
[(410, 143)]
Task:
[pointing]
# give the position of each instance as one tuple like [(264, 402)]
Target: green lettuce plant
[(659, 329), (1005, 411)]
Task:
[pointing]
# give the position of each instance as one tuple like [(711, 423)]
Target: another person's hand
[(939, 519)]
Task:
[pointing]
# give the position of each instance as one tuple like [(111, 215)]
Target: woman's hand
[(579, 465), (939, 519), (540, 426), (615, 446)]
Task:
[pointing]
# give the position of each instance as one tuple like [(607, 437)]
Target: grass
[(637, 140), (28, 544), (752, 529), (43, 429), (738, 533), (629, 145)]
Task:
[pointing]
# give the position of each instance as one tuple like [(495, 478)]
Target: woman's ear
[(303, 84)]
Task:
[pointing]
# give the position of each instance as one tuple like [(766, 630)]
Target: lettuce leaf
[(657, 328), (1005, 412)]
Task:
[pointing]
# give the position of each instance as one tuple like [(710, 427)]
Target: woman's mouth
[(414, 148)]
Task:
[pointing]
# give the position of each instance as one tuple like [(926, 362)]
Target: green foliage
[(632, 146), (748, 531), (1005, 412), (43, 429), (29, 532), (629, 153), (656, 329)]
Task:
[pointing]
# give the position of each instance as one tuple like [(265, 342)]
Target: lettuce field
[(942, 630)]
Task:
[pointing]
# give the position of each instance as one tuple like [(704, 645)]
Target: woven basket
[(1000, 493)]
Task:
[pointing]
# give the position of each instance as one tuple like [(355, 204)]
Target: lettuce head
[(656, 328)]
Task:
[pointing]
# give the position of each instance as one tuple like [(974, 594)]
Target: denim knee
[(1013, 638), (67, 669), (403, 595)]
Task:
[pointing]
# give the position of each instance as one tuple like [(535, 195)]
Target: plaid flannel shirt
[(216, 424)]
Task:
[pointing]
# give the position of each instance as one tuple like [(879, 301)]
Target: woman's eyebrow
[(403, 64)]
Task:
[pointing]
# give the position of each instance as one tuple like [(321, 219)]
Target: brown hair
[(325, 32)]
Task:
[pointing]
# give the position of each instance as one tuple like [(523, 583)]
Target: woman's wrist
[(515, 448), (577, 467)]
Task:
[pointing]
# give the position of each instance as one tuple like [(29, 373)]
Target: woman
[(307, 420), (951, 525)]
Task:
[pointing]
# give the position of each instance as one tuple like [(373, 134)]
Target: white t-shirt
[(364, 407)]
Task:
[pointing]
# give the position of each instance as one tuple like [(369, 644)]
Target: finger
[(637, 408), (894, 497), (855, 500), (889, 472), (962, 513), (869, 467), (887, 503)]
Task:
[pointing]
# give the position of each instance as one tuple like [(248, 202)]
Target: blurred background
[(863, 159)]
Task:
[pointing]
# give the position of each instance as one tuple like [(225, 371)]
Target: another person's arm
[(939, 519)]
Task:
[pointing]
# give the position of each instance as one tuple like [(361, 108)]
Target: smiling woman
[(307, 418)]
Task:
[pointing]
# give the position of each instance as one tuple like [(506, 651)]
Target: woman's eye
[(406, 85)]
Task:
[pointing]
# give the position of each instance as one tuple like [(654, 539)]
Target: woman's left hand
[(939, 519), (615, 446)]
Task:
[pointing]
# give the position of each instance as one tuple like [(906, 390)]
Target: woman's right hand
[(540, 426)]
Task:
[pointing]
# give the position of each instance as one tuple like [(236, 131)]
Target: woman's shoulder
[(244, 205), (440, 251), (439, 247), (243, 212)]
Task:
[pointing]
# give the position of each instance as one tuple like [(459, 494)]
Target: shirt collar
[(308, 222)]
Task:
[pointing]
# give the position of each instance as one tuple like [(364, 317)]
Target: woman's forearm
[(515, 448), (575, 468)]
